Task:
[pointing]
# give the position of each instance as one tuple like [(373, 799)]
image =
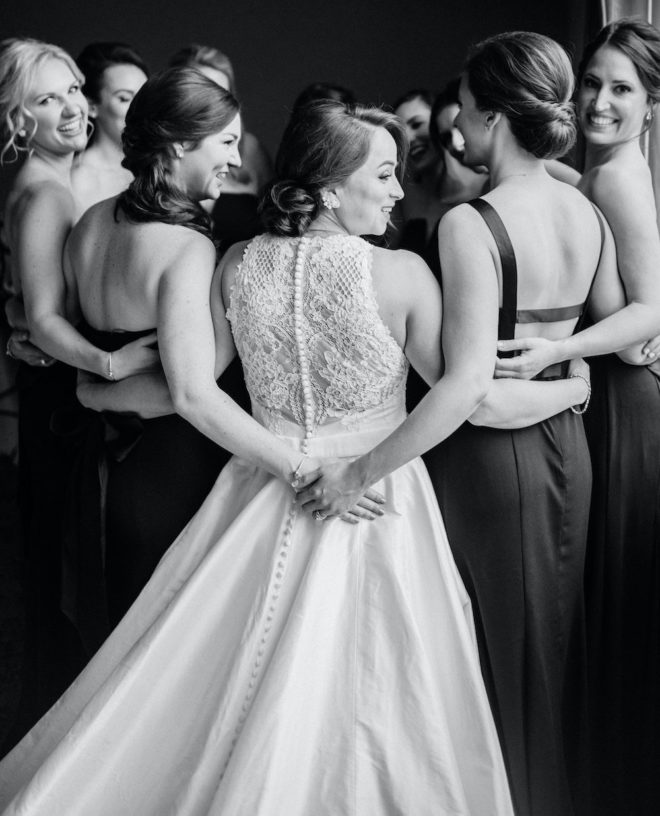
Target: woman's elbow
[(188, 398)]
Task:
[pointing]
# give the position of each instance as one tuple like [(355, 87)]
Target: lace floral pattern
[(355, 363)]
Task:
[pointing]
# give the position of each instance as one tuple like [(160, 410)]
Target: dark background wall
[(379, 48)]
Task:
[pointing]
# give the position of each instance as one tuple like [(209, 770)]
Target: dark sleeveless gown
[(137, 483), (52, 652), (623, 589), (516, 505)]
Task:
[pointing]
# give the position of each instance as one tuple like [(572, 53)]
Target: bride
[(280, 662)]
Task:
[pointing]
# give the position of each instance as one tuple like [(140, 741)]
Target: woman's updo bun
[(528, 78), (323, 144), (288, 208)]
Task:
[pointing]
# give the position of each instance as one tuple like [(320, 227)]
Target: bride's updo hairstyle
[(179, 105), (639, 41), (323, 144), (528, 78)]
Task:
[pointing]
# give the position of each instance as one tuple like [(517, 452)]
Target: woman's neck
[(55, 165), (104, 151), (326, 223), (515, 164)]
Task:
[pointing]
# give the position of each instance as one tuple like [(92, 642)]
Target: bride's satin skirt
[(280, 666)]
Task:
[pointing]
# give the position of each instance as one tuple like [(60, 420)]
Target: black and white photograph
[(330, 408)]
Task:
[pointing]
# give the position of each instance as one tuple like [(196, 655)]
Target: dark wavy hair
[(416, 93), (176, 105), (639, 41), (323, 144), (96, 57), (324, 90), (527, 77), (447, 96)]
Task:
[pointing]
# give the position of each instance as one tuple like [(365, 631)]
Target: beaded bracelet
[(110, 372), (585, 404)]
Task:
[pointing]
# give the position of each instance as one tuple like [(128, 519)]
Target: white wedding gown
[(276, 665)]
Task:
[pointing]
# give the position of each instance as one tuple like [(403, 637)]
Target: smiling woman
[(113, 73), (43, 115), (138, 263)]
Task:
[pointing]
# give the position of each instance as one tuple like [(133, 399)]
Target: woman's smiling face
[(612, 102), (57, 108)]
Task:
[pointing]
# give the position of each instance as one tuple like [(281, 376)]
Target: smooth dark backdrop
[(379, 48)]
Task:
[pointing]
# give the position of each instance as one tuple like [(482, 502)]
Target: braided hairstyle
[(176, 105)]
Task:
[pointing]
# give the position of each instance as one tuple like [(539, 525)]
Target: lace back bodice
[(306, 325)]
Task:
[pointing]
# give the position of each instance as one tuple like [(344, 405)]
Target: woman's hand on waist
[(536, 353), (136, 357), (20, 348)]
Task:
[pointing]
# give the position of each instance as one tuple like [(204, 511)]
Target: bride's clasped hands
[(338, 489)]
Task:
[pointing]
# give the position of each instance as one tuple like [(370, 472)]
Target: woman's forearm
[(58, 338), (146, 395), (512, 403), (217, 416), (446, 406), (633, 324)]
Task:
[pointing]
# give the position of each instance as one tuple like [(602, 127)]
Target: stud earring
[(329, 200)]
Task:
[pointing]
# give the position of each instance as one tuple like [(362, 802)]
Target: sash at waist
[(349, 436)]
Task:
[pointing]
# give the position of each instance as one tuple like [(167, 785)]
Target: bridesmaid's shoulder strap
[(508, 311)]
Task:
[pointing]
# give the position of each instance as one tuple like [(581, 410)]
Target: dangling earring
[(648, 118), (329, 200), (178, 151), (90, 128)]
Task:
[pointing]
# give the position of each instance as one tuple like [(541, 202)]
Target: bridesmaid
[(44, 116), (619, 87), (515, 499), (235, 216), (181, 140), (113, 73)]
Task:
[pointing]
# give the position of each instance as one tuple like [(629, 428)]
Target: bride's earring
[(329, 200)]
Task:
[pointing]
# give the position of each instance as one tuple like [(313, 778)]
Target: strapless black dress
[(136, 484)]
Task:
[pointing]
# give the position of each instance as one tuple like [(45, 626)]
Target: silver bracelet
[(583, 406), (110, 373)]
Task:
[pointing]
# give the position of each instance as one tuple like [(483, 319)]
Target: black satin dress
[(235, 218), (137, 483), (516, 505), (623, 589), (52, 652)]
